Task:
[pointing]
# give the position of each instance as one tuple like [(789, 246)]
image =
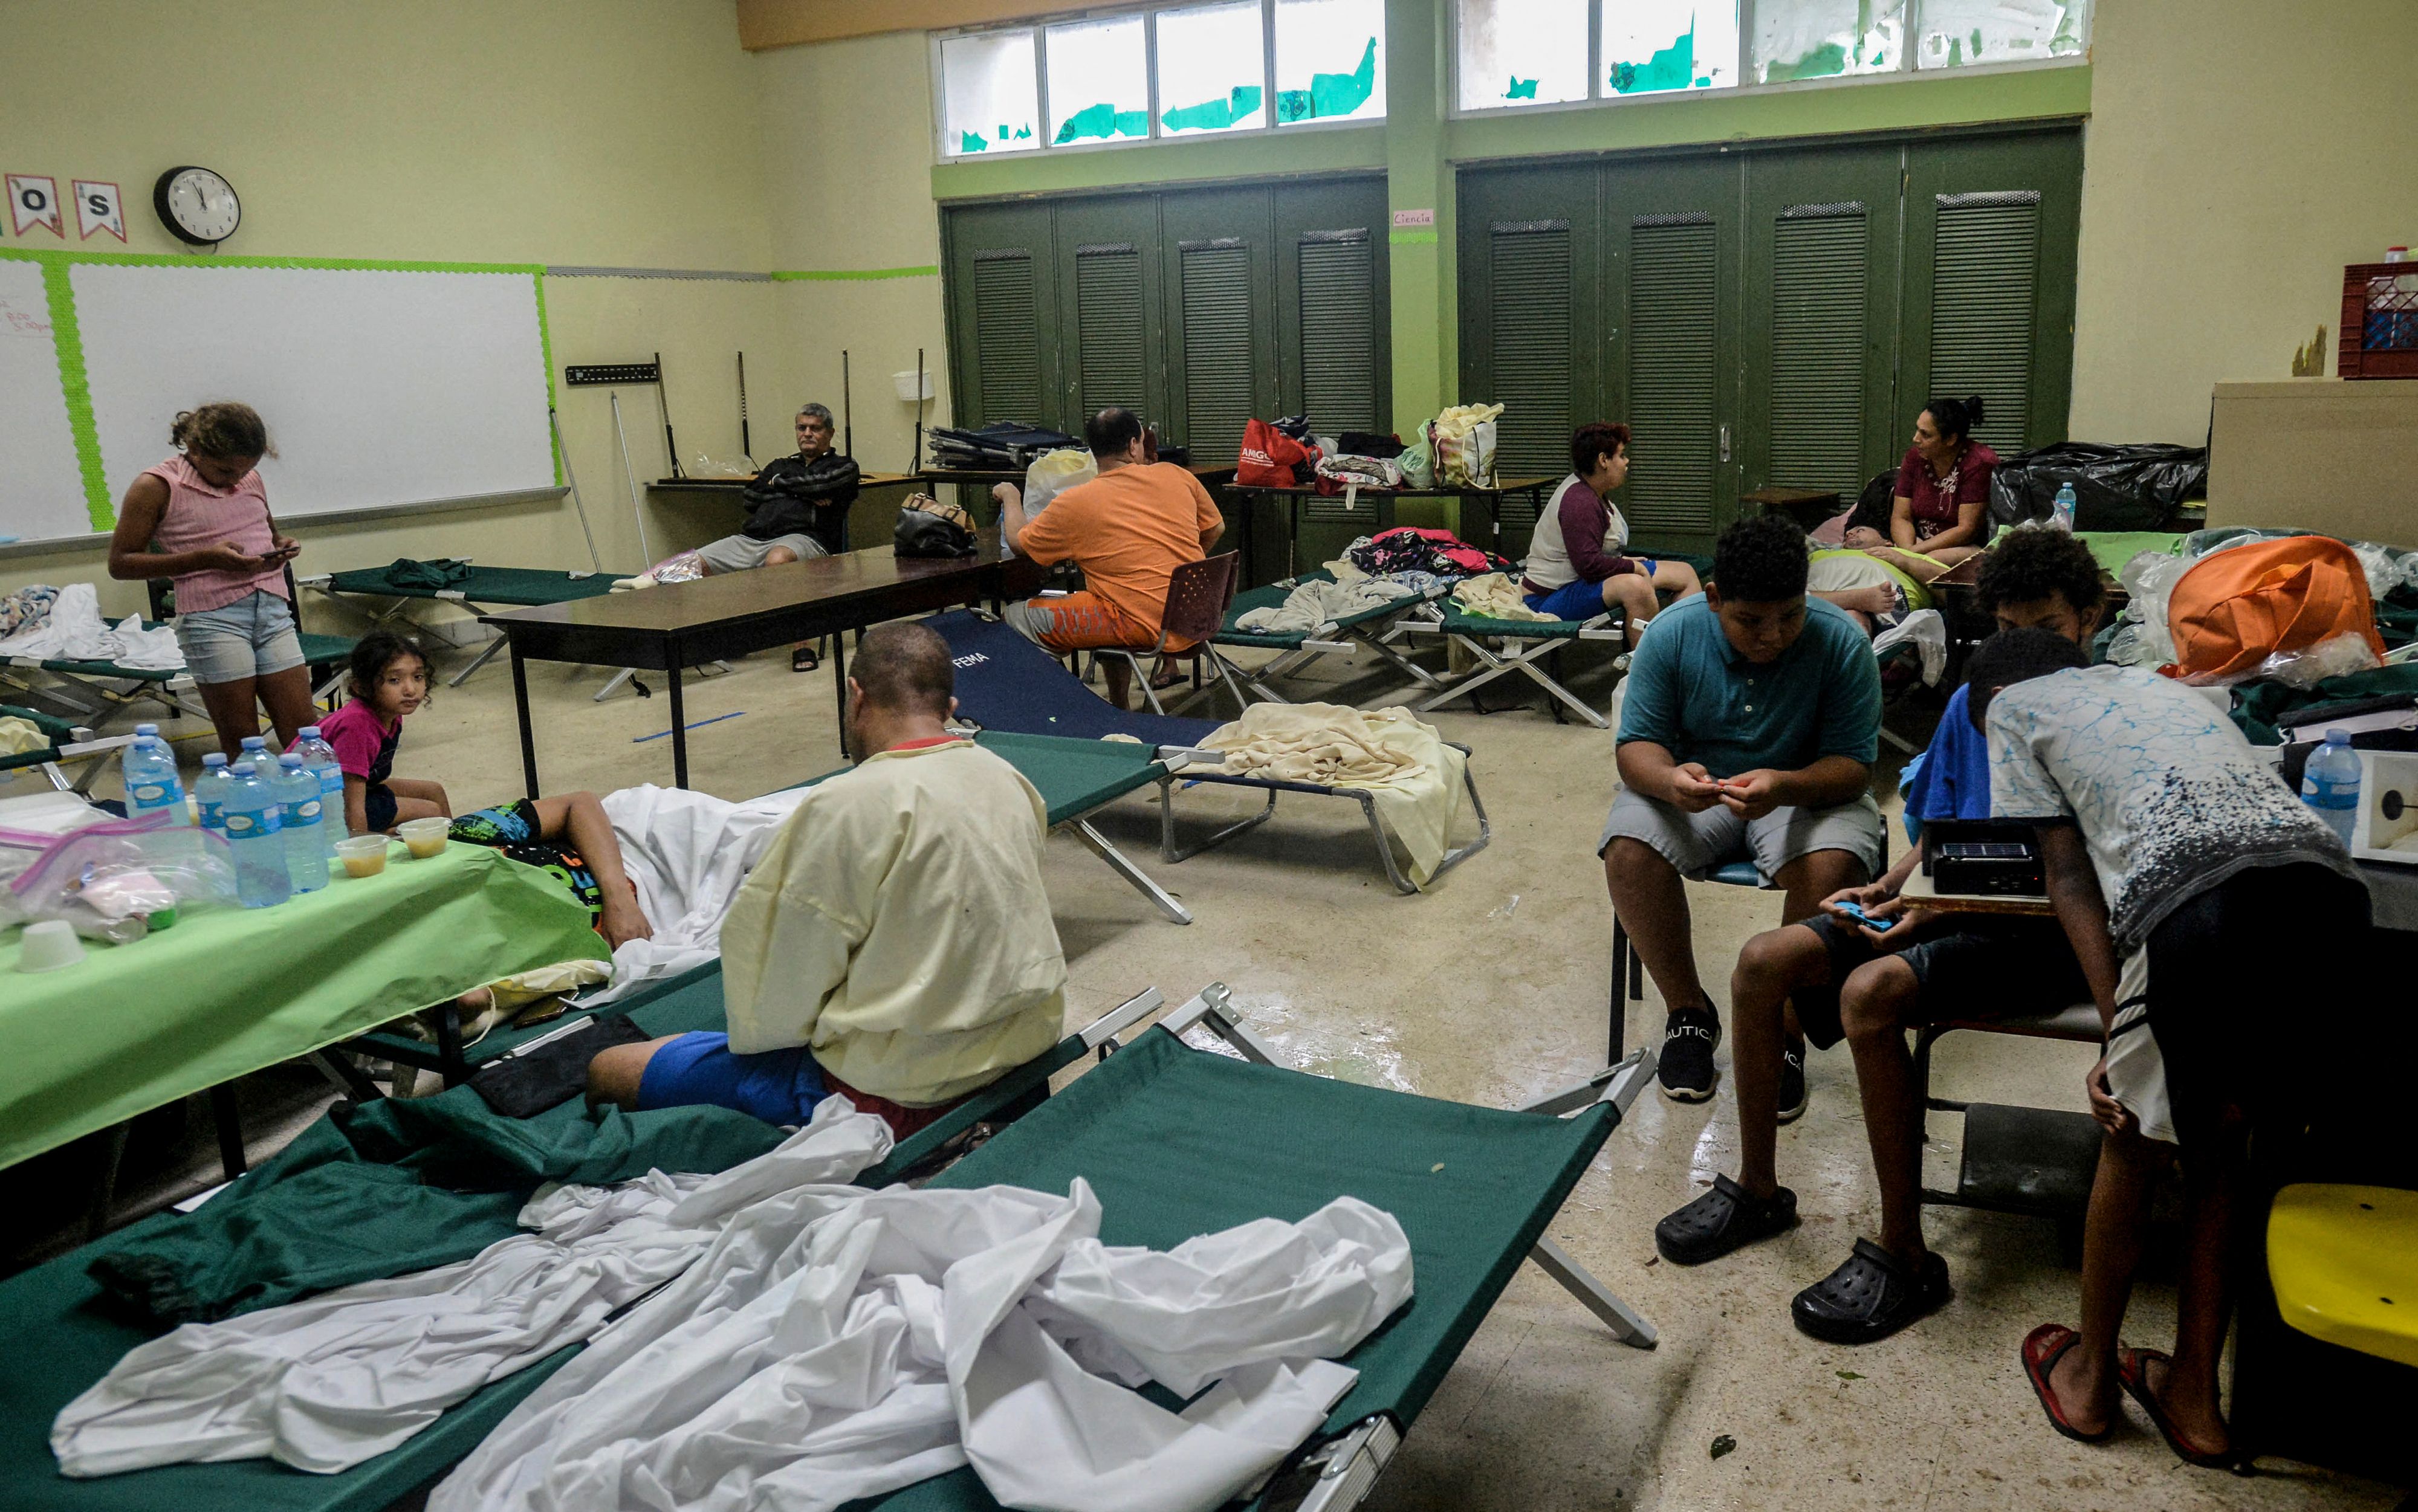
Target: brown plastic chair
[(1197, 596)]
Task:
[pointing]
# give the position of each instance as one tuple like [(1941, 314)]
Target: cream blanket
[(1315, 605), (1494, 596), (1414, 775)]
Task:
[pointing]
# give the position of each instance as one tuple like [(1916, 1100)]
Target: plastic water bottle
[(151, 781), (2329, 783), (261, 879), (255, 748), (320, 758), (2062, 514), (302, 817), (210, 793)]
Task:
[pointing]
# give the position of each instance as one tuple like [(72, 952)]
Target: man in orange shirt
[(1128, 530)]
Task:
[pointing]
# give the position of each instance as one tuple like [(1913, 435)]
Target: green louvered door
[(1531, 320), (1673, 231), (1003, 298), (1333, 352), (1990, 230), (1221, 331), (1821, 318), (1108, 280)]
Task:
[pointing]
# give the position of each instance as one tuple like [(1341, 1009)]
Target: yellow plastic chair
[(2343, 1261)]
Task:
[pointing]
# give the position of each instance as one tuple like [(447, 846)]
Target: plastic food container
[(425, 837), (363, 855)]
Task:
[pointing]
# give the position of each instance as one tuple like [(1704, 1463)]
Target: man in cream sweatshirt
[(894, 945)]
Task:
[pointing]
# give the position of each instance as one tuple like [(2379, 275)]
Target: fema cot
[(1175, 1142), (1075, 779), (98, 690), (479, 590), (1008, 683), (1500, 646), (1296, 650), (66, 742)]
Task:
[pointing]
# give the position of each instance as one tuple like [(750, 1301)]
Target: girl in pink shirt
[(202, 518)]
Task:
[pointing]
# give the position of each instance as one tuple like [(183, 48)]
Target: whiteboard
[(41, 487), (381, 386)]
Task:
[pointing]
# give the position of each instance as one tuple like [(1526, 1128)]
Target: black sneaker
[(1721, 1220), (1793, 1095), (1870, 1296), (1686, 1069)]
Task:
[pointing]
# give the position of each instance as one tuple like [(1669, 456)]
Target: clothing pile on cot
[(65, 624)]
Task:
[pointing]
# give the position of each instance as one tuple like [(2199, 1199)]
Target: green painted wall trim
[(1825, 110), (66, 336), (1412, 238), (1300, 149), (67, 339), (836, 274)]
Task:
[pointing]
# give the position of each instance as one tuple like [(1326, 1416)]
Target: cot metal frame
[(1375, 633), (1179, 759), (1521, 654), (1211, 1010)]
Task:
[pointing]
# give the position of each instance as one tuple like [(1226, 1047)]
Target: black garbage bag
[(2115, 487)]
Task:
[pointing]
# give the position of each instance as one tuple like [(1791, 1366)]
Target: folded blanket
[(1315, 605), (441, 572), (1494, 596), (1415, 777)]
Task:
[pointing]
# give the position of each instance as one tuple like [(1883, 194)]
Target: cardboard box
[(2318, 454)]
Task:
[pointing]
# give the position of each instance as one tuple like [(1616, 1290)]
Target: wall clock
[(197, 205)]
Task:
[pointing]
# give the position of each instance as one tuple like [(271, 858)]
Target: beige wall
[(2238, 154), (617, 132), (845, 141)]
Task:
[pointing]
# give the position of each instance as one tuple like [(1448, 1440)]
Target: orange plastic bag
[(2235, 609)]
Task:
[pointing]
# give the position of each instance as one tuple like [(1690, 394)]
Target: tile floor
[(1490, 989)]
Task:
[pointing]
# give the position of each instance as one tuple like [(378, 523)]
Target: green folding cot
[(1175, 1141), (67, 743), (1296, 650), (1500, 646), (479, 589), (98, 690)]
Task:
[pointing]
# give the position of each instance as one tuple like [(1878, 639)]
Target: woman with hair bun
[(202, 518), (1940, 513)]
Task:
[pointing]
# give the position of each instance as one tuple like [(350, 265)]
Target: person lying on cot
[(202, 518), (1876, 591), (2196, 890), (894, 945), (1128, 530), (797, 508), (1845, 980), (567, 835), (1575, 570), (1749, 729)]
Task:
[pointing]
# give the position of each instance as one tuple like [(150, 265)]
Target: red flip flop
[(2133, 1374), (2043, 1348)]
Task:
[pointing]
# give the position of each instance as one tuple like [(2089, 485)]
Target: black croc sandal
[(806, 659), (1721, 1220), (1870, 1296)]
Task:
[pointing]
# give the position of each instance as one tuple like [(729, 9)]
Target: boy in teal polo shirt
[(1747, 732)]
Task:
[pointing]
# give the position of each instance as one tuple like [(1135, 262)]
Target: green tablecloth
[(231, 990)]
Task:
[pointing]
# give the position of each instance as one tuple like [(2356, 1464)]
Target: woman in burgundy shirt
[(1943, 492)]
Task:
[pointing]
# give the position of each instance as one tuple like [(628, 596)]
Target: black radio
[(1982, 858)]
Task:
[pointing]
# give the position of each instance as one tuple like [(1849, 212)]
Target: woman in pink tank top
[(202, 518)]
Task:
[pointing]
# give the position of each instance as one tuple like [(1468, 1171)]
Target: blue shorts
[(251, 637), (777, 1085), (1580, 600)]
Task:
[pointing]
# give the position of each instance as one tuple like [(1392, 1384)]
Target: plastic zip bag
[(108, 881), (1054, 472)]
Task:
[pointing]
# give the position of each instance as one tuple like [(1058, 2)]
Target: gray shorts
[(1697, 844), (738, 553), (251, 637)]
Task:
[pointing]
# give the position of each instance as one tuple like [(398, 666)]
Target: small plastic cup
[(426, 837), (363, 855), (49, 944)]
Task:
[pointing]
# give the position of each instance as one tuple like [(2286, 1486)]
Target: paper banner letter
[(99, 207), (34, 201)]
